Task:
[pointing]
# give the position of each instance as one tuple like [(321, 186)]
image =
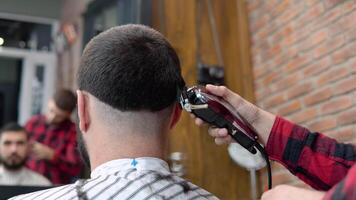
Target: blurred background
[(293, 58)]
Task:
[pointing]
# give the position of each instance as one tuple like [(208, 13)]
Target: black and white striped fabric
[(140, 178)]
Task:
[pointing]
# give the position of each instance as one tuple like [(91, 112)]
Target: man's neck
[(126, 148), (12, 171)]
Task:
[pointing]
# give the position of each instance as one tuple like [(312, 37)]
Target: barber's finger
[(224, 140), (199, 121), (222, 91), (218, 132), (266, 195)]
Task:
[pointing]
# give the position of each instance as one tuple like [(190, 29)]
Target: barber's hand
[(259, 119), (41, 151), (283, 192)]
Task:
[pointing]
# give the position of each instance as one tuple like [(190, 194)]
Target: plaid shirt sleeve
[(66, 163), (319, 161), (66, 156)]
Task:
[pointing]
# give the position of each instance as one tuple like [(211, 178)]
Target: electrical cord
[(265, 156)]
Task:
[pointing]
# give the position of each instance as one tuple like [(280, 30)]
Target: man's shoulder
[(37, 178), (51, 193), (191, 191), (36, 119)]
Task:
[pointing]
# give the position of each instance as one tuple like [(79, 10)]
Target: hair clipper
[(217, 112)]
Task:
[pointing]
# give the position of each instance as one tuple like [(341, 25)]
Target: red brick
[(271, 77), (310, 3), (343, 54), (297, 63), (286, 82), (348, 21), (323, 124), (304, 30), (274, 101), (259, 71), (291, 52), (289, 108), (352, 49), (345, 85), (275, 50), (347, 117), (299, 90), (342, 25), (278, 61), (280, 8), (318, 96), (284, 31), (261, 34), (332, 75), (348, 6), (353, 65), (289, 40), (331, 3), (260, 22), (351, 35), (317, 66), (311, 14), (329, 46), (344, 134), (354, 97), (287, 16), (324, 32), (261, 93), (269, 5), (305, 115), (334, 14), (336, 105), (313, 40), (253, 5)]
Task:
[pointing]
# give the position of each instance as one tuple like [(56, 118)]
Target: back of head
[(65, 100), (131, 68)]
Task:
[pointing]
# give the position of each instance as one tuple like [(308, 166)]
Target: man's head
[(131, 68), (129, 76), (13, 146), (60, 106)]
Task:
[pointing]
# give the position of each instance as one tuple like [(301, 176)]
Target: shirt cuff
[(278, 138)]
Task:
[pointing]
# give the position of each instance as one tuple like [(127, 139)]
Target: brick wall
[(304, 59)]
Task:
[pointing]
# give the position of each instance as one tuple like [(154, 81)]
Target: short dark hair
[(11, 127), (65, 100), (131, 67)]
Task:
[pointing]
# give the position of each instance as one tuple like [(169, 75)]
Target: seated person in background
[(54, 152), (14, 147)]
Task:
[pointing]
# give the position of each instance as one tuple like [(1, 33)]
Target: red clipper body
[(217, 112)]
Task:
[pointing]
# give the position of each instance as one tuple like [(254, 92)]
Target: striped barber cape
[(139, 178)]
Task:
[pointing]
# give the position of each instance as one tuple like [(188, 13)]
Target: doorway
[(10, 81)]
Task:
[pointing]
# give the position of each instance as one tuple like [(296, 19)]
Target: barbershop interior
[(178, 99)]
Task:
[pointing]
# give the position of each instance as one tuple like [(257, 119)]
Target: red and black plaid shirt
[(66, 163), (321, 162)]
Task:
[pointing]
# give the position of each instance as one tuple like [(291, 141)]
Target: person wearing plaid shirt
[(53, 137), (323, 163)]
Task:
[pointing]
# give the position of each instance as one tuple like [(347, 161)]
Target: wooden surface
[(207, 164)]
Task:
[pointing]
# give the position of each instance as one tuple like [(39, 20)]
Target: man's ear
[(177, 111), (83, 108)]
